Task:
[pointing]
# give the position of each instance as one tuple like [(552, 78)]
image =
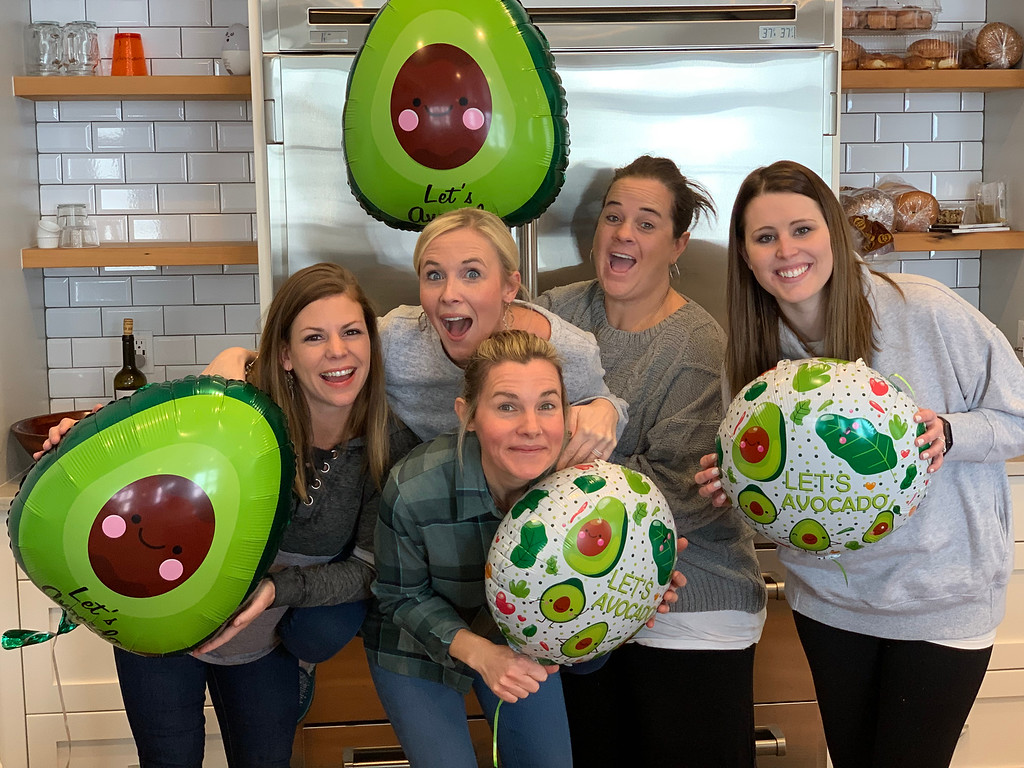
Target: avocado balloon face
[(585, 641), (759, 450), (881, 528), (155, 517), (454, 104), (810, 535), (441, 106), (593, 546), (563, 602), (756, 505)]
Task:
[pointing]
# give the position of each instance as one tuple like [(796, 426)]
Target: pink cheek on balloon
[(408, 120), (842, 441), (114, 526), (473, 119), (171, 570), (760, 449)]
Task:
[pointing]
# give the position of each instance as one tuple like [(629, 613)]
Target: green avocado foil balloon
[(154, 518), (580, 562), (819, 455), (454, 104)]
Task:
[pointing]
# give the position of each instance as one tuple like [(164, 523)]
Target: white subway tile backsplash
[(215, 110), (155, 166), (181, 371), (221, 226), (70, 271), (181, 13), (80, 169), (49, 169), (955, 185), (125, 137), (857, 128), (971, 295), (971, 155), (224, 289), (874, 102), (162, 290), (111, 229), (154, 110), (857, 180), (92, 353), (242, 269), (55, 292), (193, 320), (51, 195), (242, 318), (76, 382), (202, 43), (192, 269), (89, 110), (175, 350), (186, 137), (209, 166), (99, 291), (47, 111), (188, 198), (238, 198), (129, 198), (58, 353), (234, 136), (64, 137), (171, 228), (183, 67), (227, 12), (120, 13), (972, 101), (158, 42), (907, 126), (931, 156), (927, 101), (944, 271), (968, 273), (877, 158), (207, 347), (145, 318), (72, 321), (963, 11), (958, 126)]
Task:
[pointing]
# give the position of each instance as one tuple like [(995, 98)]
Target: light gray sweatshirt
[(942, 575)]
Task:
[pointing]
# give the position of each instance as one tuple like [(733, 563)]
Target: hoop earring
[(673, 270), (507, 318), (422, 322)]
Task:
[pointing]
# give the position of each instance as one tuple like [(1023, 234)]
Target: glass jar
[(81, 48), (43, 51)]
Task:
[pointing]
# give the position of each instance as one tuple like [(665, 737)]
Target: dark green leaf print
[(856, 442)]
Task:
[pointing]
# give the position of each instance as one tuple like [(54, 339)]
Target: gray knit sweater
[(943, 574), (670, 375)]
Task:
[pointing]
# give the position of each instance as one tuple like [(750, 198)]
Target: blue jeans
[(257, 703), (430, 720)]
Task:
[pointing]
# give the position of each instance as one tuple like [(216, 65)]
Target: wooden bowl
[(32, 432)]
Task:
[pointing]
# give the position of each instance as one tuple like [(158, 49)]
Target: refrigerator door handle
[(273, 118), (831, 121)]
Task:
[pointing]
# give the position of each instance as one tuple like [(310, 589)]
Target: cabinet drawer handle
[(769, 741), (775, 585), (374, 757)]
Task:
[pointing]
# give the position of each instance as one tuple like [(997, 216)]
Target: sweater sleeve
[(403, 587)]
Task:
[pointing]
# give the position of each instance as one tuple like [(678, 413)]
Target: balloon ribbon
[(20, 638), (494, 738)]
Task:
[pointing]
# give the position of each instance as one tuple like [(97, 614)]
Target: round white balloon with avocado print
[(819, 456), (580, 562)]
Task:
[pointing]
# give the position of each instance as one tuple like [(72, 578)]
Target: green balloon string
[(21, 638), (494, 737), (845, 577)]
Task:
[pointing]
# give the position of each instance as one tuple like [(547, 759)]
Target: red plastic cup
[(128, 57)]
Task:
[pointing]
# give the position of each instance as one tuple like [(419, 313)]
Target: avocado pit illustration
[(151, 536)]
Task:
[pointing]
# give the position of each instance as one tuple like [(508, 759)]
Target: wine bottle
[(129, 378)]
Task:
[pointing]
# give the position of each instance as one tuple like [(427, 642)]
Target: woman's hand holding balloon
[(261, 599), (56, 433), (678, 581), (591, 429), (230, 363), (708, 484), (933, 439), (510, 675)]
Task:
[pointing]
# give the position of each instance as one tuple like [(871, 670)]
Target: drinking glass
[(43, 52), (81, 48), (128, 58)]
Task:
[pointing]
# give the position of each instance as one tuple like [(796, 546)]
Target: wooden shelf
[(158, 88), (141, 255), (931, 79), (968, 241)]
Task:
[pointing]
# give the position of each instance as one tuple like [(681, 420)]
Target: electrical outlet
[(144, 351)]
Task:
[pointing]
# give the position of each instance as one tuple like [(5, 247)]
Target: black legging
[(664, 709), (890, 703)]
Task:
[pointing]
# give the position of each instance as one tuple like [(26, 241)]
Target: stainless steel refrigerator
[(720, 87)]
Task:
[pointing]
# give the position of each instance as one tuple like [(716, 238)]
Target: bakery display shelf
[(148, 87), (141, 255), (880, 80), (968, 241)]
